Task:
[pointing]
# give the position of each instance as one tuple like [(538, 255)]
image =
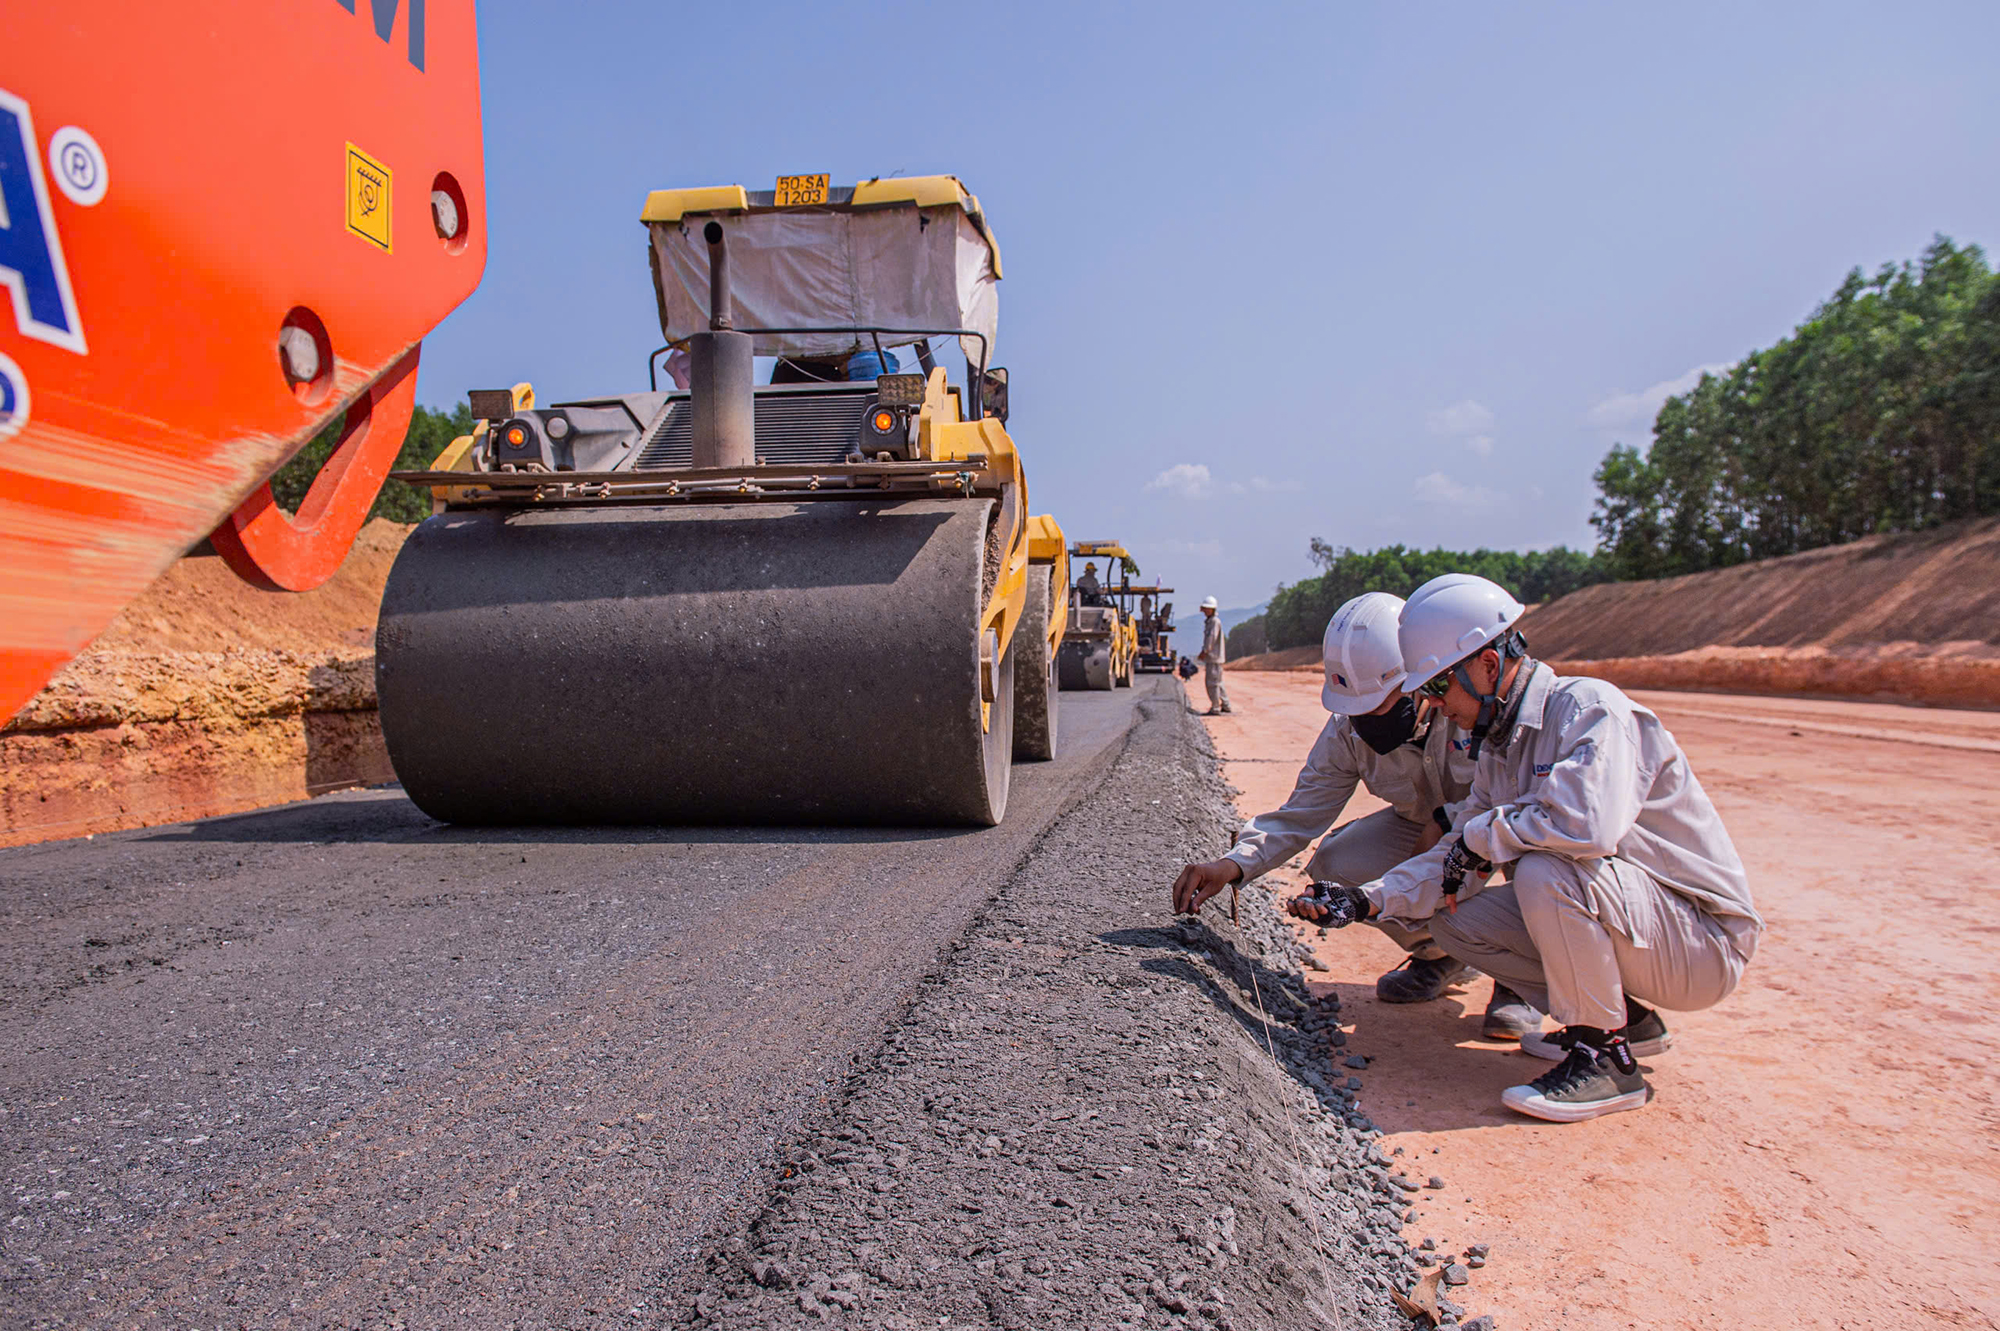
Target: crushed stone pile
[(1091, 1116)]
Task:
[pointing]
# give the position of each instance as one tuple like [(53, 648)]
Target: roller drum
[(813, 663), (1035, 692), (1084, 664)]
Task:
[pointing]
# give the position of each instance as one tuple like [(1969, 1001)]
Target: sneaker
[(1419, 981), (1587, 1084), (1510, 1016), (1644, 1033)]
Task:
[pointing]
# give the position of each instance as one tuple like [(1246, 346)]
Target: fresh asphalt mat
[(336, 1065), (1091, 1115)]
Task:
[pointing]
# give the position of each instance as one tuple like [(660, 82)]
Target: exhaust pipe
[(721, 374)]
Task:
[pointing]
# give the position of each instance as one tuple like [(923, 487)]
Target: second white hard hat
[(1208, 603), (1363, 662), (1448, 619)]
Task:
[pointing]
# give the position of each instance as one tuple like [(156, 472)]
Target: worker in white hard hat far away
[(1618, 888), (1408, 754), (1211, 658)]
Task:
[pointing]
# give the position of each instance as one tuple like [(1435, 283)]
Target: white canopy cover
[(900, 266)]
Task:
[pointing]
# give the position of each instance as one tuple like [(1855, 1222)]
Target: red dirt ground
[(1824, 1148), (205, 696)]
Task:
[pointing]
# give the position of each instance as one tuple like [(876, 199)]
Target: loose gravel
[(1091, 1115)]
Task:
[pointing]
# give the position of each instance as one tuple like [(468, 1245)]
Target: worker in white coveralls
[(1405, 752), (1211, 657), (1619, 886)]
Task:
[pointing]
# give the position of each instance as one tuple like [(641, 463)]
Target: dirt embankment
[(1912, 618), (205, 696)]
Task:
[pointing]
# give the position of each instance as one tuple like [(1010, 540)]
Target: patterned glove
[(1331, 906), (1459, 861)]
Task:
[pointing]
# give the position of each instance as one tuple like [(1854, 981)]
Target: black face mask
[(1392, 728)]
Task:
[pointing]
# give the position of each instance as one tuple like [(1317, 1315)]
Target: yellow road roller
[(1045, 619), (1098, 649), (794, 583)]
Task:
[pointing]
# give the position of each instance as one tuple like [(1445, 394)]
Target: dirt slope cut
[(1912, 617), (1936, 591), (205, 696)]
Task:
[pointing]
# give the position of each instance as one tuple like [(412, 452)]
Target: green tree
[(1298, 613), (430, 433), (1881, 412), (1246, 639)]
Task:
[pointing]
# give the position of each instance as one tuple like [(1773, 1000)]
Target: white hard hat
[(1208, 603), (1448, 619), (1364, 664)]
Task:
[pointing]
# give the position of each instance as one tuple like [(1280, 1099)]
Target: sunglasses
[(1436, 686)]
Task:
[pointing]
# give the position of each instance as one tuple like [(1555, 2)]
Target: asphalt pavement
[(262, 1070)]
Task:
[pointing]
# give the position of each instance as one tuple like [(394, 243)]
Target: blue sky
[(1373, 273)]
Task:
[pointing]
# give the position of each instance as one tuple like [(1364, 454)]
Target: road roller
[(1098, 649), (794, 583), (1044, 621)]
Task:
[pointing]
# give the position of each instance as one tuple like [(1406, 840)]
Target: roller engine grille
[(793, 429)]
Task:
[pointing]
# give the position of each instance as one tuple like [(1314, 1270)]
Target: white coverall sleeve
[(1583, 806), (1325, 784), (1412, 891)]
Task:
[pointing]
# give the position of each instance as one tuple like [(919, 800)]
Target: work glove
[(1330, 905), (1459, 861)]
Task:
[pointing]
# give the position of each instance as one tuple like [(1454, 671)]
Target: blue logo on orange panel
[(31, 257), (13, 398)]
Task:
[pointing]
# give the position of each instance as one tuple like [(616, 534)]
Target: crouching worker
[(1621, 888), (1411, 757)]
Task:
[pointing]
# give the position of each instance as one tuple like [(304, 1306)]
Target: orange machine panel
[(223, 221)]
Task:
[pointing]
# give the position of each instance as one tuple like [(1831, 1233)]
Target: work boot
[(1510, 1016), (1643, 1032), (1213, 711), (1589, 1083), (1419, 979)]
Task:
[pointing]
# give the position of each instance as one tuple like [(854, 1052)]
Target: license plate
[(801, 191)]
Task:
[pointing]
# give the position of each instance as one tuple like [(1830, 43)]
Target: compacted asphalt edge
[(387, 1072), (1080, 1121)]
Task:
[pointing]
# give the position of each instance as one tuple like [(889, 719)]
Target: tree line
[(430, 432), (1879, 413), (1298, 613)]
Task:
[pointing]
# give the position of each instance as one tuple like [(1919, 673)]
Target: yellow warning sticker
[(368, 198)]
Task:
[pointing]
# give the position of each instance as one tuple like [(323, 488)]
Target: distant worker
[(1407, 753), (1211, 658), (1088, 589), (1622, 887)]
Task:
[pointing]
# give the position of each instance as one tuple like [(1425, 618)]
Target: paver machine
[(809, 600), (1098, 648), (1152, 618)]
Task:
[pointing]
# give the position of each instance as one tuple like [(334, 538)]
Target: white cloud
[(1189, 480), (1625, 410), (1441, 490), (1482, 444), (1467, 417)]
